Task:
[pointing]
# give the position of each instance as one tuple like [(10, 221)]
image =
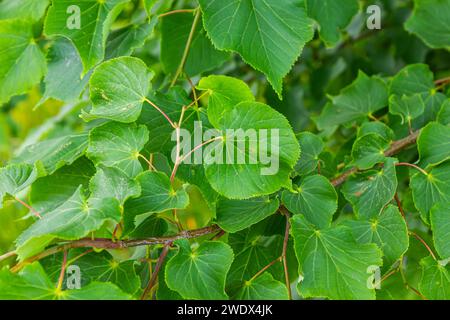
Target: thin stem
[(399, 205), (63, 271), (28, 207), (180, 160), (187, 47), (194, 92), (260, 272), (219, 235), (405, 164), (197, 99), (150, 165), (415, 235), (175, 11), (442, 81), (158, 266), (8, 255), (102, 243), (284, 254), (160, 111), (177, 221)]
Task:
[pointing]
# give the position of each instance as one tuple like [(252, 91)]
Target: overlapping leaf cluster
[(358, 208)]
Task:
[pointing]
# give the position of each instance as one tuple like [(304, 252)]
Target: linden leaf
[(269, 34), (315, 198), (199, 273), (118, 145)]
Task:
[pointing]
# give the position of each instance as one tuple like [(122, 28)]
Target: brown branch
[(415, 235), (395, 148), (8, 255), (285, 212), (155, 273), (101, 243)]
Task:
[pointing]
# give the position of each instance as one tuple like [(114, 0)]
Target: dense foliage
[(100, 201)]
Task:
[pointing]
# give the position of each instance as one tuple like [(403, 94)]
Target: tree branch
[(101, 243), (395, 148)]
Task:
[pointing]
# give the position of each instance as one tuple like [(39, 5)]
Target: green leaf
[(22, 64), (311, 146), (32, 283), (113, 183), (242, 181), (202, 56), (89, 37), (49, 192), (315, 198), (159, 128), (118, 145), (434, 144), (263, 287), (435, 281), (63, 80), (15, 178), (376, 127), (369, 150), (440, 219), (118, 89), (430, 21), (388, 231), (333, 265), (224, 94), (370, 191), (332, 16), (124, 41), (95, 267), (157, 195), (411, 80), (428, 190), (407, 107), (74, 219), (23, 9), (52, 154), (237, 215), (269, 35), (355, 102), (199, 273), (444, 113)]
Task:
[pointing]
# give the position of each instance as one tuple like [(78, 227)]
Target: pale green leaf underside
[(263, 288)]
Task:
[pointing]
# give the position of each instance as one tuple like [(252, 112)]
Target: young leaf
[(22, 64), (388, 231), (435, 282), (355, 102), (378, 128), (369, 150), (434, 144), (430, 21), (431, 189), (315, 198), (74, 219), (118, 145), (86, 25), (439, 218), (157, 195), (202, 56), (15, 178), (269, 35), (334, 253), (237, 215), (370, 191), (263, 287), (113, 183), (444, 113), (32, 283), (242, 181), (332, 16), (311, 146), (52, 154), (407, 107), (224, 94), (118, 89), (199, 273)]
